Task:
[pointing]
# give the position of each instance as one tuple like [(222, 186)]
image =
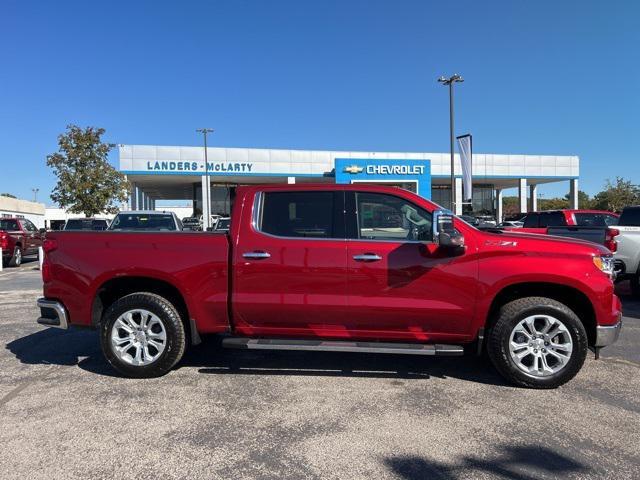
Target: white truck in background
[(627, 255)]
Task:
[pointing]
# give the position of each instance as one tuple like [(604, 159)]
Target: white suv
[(627, 255)]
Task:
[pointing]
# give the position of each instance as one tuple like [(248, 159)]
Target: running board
[(341, 346)]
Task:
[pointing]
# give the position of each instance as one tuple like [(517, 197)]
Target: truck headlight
[(604, 264)]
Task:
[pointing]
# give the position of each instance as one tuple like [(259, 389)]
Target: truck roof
[(577, 210), (322, 186), (144, 212)]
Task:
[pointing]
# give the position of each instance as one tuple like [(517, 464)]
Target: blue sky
[(542, 77)]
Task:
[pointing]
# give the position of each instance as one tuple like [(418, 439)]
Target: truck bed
[(194, 263), (590, 234)]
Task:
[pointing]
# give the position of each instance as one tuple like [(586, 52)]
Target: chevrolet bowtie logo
[(353, 169)]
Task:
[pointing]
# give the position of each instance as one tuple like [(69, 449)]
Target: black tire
[(171, 321), (16, 259), (509, 316)]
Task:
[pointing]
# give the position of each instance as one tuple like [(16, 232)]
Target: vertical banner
[(465, 146)]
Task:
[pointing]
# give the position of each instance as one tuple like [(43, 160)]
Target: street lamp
[(449, 82), (35, 194), (205, 221)]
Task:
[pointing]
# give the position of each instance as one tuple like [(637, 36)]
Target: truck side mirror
[(444, 233)]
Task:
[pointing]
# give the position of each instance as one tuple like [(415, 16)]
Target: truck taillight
[(49, 245), (4, 240), (610, 239)]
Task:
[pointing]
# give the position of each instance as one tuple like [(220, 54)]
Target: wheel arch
[(117, 287), (572, 297)]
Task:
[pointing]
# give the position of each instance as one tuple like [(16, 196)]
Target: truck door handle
[(367, 257), (256, 255)]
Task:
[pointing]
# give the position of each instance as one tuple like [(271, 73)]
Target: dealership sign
[(214, 167), (395, 169), (350, 170)]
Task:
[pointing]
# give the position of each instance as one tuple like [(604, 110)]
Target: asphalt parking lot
[(235, 414)]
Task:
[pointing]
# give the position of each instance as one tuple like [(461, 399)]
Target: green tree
[(616, 196), (87, 183), (552, 203), (7, 195), (510, 206)]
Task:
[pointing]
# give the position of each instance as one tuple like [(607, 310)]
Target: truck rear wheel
[(537, 342), (142, 335)]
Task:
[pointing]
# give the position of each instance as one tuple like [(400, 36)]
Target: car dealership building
[(180, 173)]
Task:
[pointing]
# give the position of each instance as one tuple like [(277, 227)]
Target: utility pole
[(35, 194), (449, 82), (206, 219)]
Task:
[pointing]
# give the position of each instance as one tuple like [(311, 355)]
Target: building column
[(522, 195), (291, 180), (206, 206), (498, 205), (573, 193), (140, 198), (133, 197), (457, 198), (533, 195)]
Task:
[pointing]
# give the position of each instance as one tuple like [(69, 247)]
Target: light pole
[(35, 194), (205, 194), (449, 82)]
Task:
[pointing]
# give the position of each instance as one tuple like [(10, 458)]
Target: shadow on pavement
[(217, 361), (513, 462), (58, 347)]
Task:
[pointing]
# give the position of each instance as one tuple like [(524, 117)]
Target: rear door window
[(552, 219), (304, 214), (9, 225), (595, 219), (630, 217), (532, 220)]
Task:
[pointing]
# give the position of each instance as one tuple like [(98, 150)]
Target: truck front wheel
[(537, 342), (142, 335)]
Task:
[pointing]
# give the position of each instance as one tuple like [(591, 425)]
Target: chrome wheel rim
[(18, 256), (138, 337), (540, 345)]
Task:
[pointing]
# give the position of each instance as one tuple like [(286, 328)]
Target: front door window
[(387, 217)]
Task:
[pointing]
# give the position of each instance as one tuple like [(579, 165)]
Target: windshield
[(143, 221), (86, 224), (223, 224)]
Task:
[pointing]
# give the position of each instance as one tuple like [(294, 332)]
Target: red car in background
[(18, 237), (538, 222)]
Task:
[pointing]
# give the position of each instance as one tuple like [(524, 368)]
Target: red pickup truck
[(539, 222), (18, 237), (336, 268)]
